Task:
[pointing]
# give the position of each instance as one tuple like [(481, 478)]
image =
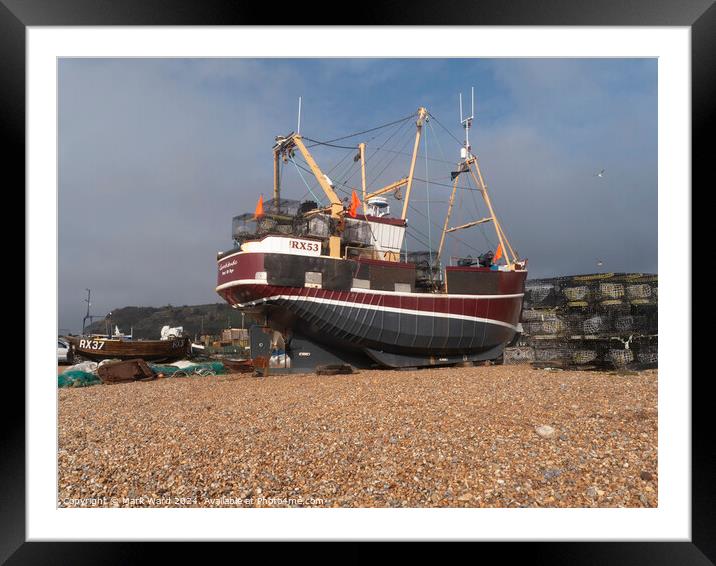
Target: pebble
[(440, 437), (545, 431), (551, 474)]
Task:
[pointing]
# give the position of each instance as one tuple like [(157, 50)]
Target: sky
[(157, 155)]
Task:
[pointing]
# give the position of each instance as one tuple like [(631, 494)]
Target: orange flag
[(259, 208), (355, 203), (498, 253)]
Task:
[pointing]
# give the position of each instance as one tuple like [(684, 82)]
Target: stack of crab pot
[(604, 321)]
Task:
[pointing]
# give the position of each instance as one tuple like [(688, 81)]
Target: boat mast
[(285, 147), (469, 163), (361, 147), (451, 202), (276, 160), (276, 176), (466, 158), (422, 113), (467, 122), (498, 227), (335, 202), (84, 320), (387, 188)]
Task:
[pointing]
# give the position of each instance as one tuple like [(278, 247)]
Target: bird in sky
[(600, 174), (600, 263)]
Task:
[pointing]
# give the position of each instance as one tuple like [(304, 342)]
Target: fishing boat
[(339, 285), (117, 347)]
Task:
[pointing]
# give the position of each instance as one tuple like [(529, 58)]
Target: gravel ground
[(500, 436)]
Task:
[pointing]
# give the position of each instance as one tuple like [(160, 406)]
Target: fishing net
[(605, 320), (581, 357), (282, 207), (207, 368), (77, 378), (282, 217), (357, 232), (580, 293), (427, 269)]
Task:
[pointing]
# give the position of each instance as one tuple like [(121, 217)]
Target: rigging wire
[(369, 158), (458, 219), (474, 198), (489, 242), (414, 234), (389, 163), (315, 183), (411, 207), (503, 233), (442, 152), (419, 236), (316, 142), (364, 131), (436, 183), (427, 196), (421, 155), (377, 157), (280, 173), (444, 128), (347, 192), (346, 172), (304, 180), (377, 160), (440, 146)]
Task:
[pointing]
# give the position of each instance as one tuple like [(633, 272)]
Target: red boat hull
[(418, 324)]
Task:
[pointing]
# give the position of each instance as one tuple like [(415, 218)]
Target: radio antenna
[(466, 121), (298, 128)]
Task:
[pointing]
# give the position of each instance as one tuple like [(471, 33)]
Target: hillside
[(147, 322)]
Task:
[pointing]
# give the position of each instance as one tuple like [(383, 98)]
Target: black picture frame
[(17, 15)]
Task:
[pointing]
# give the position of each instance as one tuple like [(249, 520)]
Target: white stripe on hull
[(241, 282), (238, 282), (369, 306)]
